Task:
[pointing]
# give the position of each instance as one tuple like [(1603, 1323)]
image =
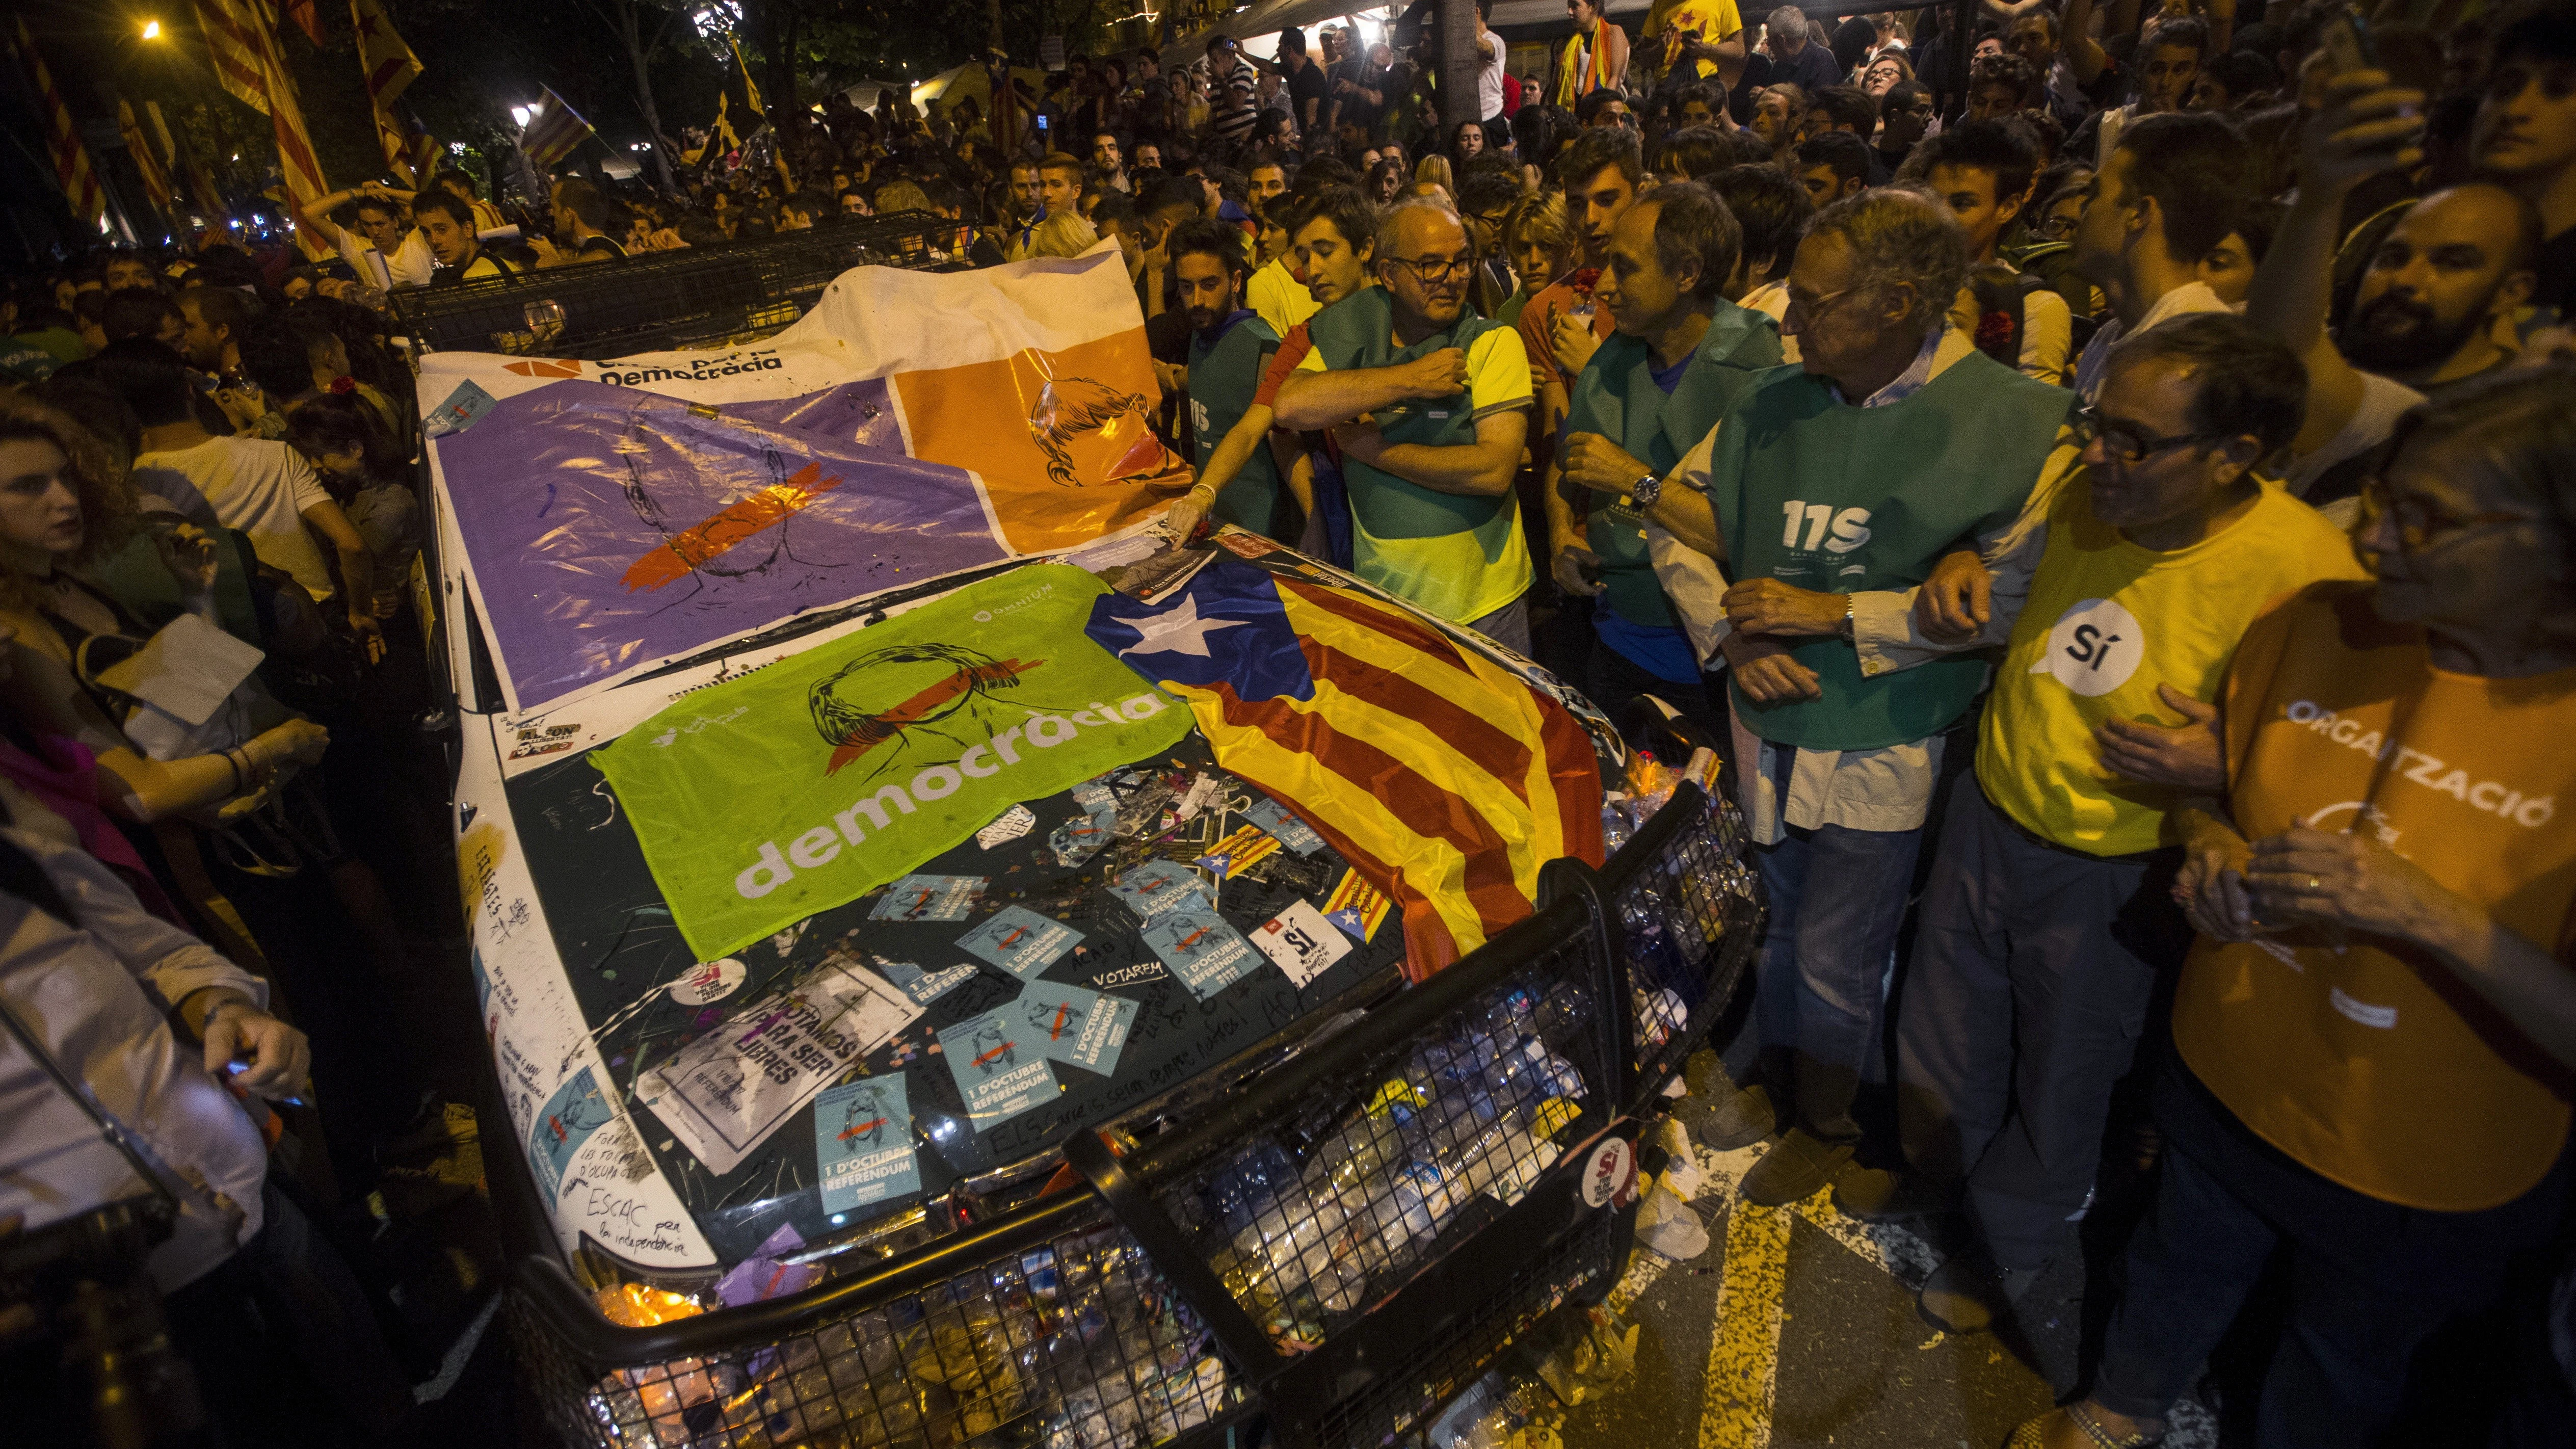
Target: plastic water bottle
[(1251, 1186), (1299, 1246)]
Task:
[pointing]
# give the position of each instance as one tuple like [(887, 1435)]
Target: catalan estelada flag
[(1440, 775)]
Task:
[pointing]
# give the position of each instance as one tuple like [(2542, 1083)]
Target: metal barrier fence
[(657, 301), (1339, 1249)]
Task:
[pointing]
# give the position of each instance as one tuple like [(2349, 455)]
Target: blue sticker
[(1293, 833), (930, 898), (1079, 839), (463, 409), (998, 1068), (575, 1111), (1021, 942), (1201, 949), (1077, 1027), (924, 987), (863, 1147), (1158, 886), (482, 983)]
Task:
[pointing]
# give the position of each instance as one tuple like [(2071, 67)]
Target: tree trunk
[(1457, 22), (631, 23)]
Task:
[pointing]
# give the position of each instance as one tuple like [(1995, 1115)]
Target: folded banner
[(994, 413), (1440, 775), (819, 778)]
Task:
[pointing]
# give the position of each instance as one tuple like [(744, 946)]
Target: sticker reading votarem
[(1021, 941), (1077, 1027), (863, 1151), (1293, 833), (999, 1070), (814, 780), (724, 1093), (1200, 948), (931, 898)]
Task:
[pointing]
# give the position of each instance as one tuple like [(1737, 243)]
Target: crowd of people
[(2143, 477)]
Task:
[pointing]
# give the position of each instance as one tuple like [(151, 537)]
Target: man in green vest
[(1428, 407), (1829, 491), (1229, 348), (1681, 354)]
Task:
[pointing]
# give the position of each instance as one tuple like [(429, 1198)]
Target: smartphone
[(2346, 43), (1042, 123)]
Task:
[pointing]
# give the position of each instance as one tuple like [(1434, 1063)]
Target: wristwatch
[(1643, 493), (1847, 627)]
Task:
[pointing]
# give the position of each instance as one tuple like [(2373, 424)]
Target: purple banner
[(612, 529)]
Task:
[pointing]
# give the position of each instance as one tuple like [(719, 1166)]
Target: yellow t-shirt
[(1707, 21), (2367, 1060), (2107, 621), (1456, 575), (1278, 298)]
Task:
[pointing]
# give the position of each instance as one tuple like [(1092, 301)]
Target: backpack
[(2003, 298)]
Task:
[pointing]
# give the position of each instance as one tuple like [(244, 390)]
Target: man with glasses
[(1828, 492), (2048, 916), (2169, 194), (1428, 407), (1904, 113)]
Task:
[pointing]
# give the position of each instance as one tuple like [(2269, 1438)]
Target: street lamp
[(152, 30), (520, 115)]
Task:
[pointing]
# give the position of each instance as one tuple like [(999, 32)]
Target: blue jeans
[(1836, 896)]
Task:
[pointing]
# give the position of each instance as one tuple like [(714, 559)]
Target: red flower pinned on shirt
[(1994, 329), (343, 385)]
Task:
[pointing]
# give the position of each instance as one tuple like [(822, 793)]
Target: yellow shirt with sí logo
[(2106, 622)]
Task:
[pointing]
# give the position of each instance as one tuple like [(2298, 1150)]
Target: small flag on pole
[(553, 132), (72, 170), (233, 49)]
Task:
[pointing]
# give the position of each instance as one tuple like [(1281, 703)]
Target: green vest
[(1845, 500), (1457, 556), (1615, 395), (1223, 379)]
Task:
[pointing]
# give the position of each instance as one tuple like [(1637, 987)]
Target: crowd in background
[(2119, 519)]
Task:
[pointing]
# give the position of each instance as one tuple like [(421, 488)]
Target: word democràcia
[(817, 847)]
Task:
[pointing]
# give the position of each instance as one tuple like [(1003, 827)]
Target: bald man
[(2428, 305)]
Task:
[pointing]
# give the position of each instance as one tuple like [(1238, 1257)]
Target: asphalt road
[(1797, 1327)]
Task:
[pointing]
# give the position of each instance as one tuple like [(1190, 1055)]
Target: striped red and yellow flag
[(147, 162), (1440, 775), (296, 159), (232, 48), (389, 66), (72, 171)]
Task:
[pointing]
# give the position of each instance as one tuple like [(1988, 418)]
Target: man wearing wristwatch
[(1680, 355), (1830, 491)]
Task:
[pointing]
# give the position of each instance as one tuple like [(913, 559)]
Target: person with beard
[(1230, 347), (2425, 317)]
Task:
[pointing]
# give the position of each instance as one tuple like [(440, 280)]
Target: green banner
[(819, 778)]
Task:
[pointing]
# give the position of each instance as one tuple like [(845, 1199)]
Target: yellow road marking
[(1744, 1349)]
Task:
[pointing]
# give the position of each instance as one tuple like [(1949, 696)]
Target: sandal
[(2034, 1433)]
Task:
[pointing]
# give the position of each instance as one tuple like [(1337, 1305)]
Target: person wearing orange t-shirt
[(2376, 1030)]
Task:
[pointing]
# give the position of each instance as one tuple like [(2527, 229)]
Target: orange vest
[(2368, 1061)]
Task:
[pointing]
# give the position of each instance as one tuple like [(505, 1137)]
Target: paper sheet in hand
[(184, 673), (727, 1091)]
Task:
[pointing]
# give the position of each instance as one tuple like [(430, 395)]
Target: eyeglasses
[(2120, 442), (1432, 271), (1813, 309), (2418, 523), (2059, 228)]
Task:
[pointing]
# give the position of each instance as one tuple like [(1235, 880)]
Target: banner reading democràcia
[(616, 516), (821, 777)]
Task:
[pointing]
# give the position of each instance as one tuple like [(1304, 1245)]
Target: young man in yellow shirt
[(2048, 914)]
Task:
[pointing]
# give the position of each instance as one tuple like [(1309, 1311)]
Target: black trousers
[(2369, 1280)]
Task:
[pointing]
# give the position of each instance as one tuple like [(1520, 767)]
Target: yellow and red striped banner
[(232, 48), (72, 171), (389, 66), (147, 162), (1442, 777)]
